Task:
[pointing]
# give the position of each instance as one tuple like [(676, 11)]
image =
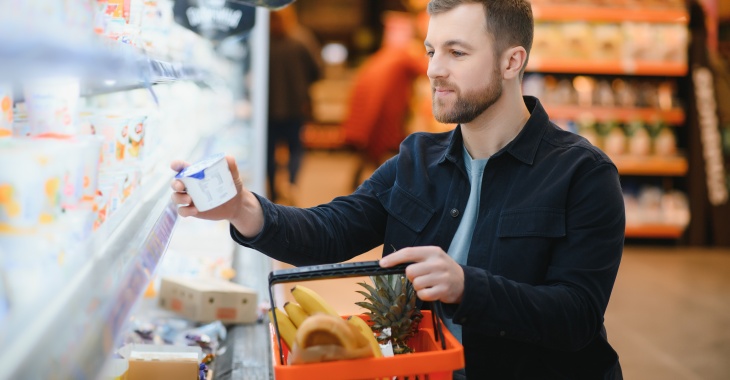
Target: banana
[(312, 302), (287, 330), (367, 332), (296, 313)]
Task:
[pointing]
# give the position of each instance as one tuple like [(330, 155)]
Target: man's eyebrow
[(451, 43)]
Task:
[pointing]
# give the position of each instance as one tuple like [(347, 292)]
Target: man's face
[(465, 78)]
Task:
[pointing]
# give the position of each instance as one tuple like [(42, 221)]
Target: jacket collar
[(523, 147)]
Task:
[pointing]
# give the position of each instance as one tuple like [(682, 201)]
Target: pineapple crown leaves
[(389, 305)]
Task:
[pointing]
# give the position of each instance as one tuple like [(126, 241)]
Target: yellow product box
[(208, 299), (161, 362)]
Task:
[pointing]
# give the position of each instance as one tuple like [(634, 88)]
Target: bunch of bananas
[(311, 322)]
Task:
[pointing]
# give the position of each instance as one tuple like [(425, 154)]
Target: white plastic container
[(30, 184), (209, 182), (52, 105)]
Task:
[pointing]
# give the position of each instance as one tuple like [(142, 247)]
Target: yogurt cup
[(30, 184), (52, 105), (209, 182)]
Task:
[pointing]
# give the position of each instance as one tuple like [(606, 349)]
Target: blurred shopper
[(293, 68), (380, 99)]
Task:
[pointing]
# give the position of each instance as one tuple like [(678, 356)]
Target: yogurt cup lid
[(197, 170)]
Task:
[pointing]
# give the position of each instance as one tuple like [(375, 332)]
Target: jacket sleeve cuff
[(471, 300), (266, 232)]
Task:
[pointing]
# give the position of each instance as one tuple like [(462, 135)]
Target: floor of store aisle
[(669, 316)]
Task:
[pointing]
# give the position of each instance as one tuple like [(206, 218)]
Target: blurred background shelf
[(654, 231), (651, 165), (592, 13), (606, 67), (620, 114)]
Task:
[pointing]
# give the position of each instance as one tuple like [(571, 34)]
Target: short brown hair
[(509, 22)]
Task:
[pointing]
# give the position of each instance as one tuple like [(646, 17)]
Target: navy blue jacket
[(544, 255)]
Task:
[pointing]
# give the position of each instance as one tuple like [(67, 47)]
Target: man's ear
[(512, 61)]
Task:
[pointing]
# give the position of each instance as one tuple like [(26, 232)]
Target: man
[(516, 226)]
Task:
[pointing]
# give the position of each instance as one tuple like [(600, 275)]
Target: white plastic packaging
[(209, 182)]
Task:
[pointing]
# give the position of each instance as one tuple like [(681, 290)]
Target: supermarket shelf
[(654, 231), (148, 72), (606, 67), (103, 289), (75, 328), (145, 73), (621, 114), (545, 12), (103, 65), (29, 53), (651, 166)]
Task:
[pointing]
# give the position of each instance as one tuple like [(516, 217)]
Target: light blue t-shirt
[(459, 248)]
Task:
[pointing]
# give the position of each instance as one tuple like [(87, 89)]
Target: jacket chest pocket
[(526, 238), (407, 217)]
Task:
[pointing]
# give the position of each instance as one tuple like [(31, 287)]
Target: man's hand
[(243, 210), (434, 275)]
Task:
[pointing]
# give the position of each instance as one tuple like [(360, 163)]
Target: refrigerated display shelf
[(103, 66), (606, 67), (620, 114), (29, 53), (149, 72), (592, 13), (70, 332), (674, 166)]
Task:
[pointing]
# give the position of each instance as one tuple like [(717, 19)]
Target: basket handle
[(340, 270), (319, 272)]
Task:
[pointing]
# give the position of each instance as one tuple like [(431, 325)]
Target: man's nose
[(436, 67)]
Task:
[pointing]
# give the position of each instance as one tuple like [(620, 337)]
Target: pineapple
[(392, 304)]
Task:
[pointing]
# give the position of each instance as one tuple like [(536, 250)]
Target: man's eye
[(429, 53), (457, 53)]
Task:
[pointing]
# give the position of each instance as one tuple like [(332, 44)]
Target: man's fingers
[(178, 186), (181, 199), (233, 167), (186, 211), (395, 258), (178, 165), (405, 255), (427, 294)]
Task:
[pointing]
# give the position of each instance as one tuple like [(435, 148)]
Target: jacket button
[(454, 213), (502, 333)]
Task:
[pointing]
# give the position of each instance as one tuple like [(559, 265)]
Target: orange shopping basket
[(437, 353)]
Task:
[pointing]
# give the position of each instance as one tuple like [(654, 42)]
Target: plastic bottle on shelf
[(615, 140), (604, 96), (665, 144), (625, 93), (639, 140), (587, 128)]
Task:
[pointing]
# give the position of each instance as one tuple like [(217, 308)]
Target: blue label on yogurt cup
[(197, 170)]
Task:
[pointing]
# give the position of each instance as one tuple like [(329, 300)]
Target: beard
[(468, 105)]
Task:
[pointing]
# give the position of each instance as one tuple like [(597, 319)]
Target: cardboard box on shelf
[(208, 299), (161, 362)]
